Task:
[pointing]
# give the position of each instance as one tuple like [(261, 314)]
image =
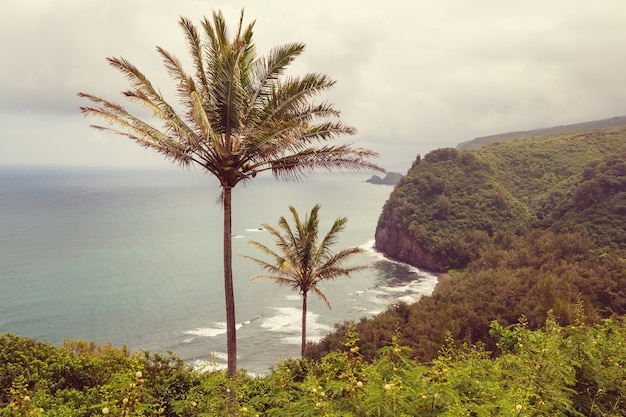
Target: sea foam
[(289, 320), (220, 328)]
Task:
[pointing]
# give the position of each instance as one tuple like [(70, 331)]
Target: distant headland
[(391, 178)]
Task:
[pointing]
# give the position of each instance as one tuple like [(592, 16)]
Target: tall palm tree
[(237, 115), (302, 261)]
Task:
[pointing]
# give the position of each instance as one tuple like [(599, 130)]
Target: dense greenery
[(575, 370), (452, 202), (515, 275), (532, 226)]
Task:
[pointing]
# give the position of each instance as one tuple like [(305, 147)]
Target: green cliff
[(452, 202), (534, 228)]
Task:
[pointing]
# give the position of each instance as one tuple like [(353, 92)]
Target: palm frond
[(308, 112), (330, 238), (294, 92), (277, 279), (195, 49), (136, 129), (287, 241), (191, 99), (278, 258), (321, 295), (219, 31), (146, 95), (333, 268), (340, 157), (305, 135), (267, 71), (248, 57), (175, 69)]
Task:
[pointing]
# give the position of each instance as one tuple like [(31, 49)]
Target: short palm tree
[(302, 261), (237, 115)]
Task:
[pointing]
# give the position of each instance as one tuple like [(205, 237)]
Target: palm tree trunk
[(231, 337), (303, 323)]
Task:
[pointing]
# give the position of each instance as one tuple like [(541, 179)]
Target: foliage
[(570, 370), (514, 275), (82, 379), (303, 260), (451, 202), (563, 253)]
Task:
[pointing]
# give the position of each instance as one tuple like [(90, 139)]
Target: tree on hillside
[(237, 115), (302, 261)]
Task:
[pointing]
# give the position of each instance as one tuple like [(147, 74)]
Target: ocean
[(134, 257)]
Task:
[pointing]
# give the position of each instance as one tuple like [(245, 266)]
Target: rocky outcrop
[(395, 243), (391, 178)]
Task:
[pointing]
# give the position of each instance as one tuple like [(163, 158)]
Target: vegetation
[(528, 320), (532, 227), (515, 276), (238, 116), (575, 370), (302, 260), (452, 202)]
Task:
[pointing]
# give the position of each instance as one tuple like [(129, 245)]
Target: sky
[(411, 75)]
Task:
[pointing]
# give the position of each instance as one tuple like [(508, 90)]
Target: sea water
[(134, 257)]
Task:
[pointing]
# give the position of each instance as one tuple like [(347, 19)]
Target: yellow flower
[(105, 410)]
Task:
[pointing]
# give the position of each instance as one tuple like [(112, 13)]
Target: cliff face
[(397, 244), (452, 203)]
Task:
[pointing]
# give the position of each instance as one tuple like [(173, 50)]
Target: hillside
[(524, 230), (577, 127), (451, 202), (83, 379)]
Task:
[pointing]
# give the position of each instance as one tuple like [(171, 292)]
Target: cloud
[(412, 75)]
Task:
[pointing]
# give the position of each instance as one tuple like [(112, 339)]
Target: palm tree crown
[(237, 115), (302, 261)]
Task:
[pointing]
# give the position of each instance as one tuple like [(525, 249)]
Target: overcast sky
[(412, 75)]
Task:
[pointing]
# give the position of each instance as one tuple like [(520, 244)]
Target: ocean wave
[(408, 292), (401, 283), (369, 246), (289, 320), (217, 362), (297, 340), (220, 328), (370, 249)]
